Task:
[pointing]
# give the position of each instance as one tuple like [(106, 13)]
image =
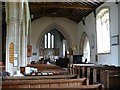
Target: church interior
[(60, 44)]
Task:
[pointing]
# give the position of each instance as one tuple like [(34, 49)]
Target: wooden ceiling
[(75, 11)]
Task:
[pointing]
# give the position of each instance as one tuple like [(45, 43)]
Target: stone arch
[(59, 28), (82, 41)]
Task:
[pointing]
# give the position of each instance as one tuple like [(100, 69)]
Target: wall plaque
[(115, 40), (11, 52)]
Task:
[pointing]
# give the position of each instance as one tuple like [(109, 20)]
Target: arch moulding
[(59, 28), (82, 41)]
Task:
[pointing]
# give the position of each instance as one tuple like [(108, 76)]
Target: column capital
[(13, 19), (20, 21)]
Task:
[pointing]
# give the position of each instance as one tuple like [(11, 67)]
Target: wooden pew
[(61, 84), (100, 71), (46, 66), (82, 70), (111, 79), (17, 78), (56, 83), (81, 87), (107, 75), (49, 68)]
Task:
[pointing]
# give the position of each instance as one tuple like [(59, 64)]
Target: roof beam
[(38, 15), (61, 5)]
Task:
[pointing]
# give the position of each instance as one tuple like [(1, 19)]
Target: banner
[(29, 50)]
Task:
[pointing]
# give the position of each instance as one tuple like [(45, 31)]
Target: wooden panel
[(43, 83), (114, 82), (70, 84), (78, 83), (75, 84), (53, 85), (34, 86), (63, 85)]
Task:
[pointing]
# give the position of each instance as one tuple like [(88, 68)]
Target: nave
[(52, 79), (75, 76), (60, 45)]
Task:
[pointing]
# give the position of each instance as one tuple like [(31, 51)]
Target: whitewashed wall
[(0, 32), (113, 57), (119, 32), (40, 25), (89, 28), (71, 28)]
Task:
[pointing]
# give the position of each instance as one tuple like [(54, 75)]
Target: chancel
[(60, 44)]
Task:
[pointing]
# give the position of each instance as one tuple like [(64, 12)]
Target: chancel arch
[(54, 29)]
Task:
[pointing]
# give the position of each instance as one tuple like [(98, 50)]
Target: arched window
[(86, 50), (103, 31), (45, 41), (52, 41), (85, 47), (48, 40)]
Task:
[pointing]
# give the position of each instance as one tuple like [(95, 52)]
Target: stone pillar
[(17, 19), (28, 29), (12, 34), (25, 34), (29, 39), (20, 11), (23, 45)]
